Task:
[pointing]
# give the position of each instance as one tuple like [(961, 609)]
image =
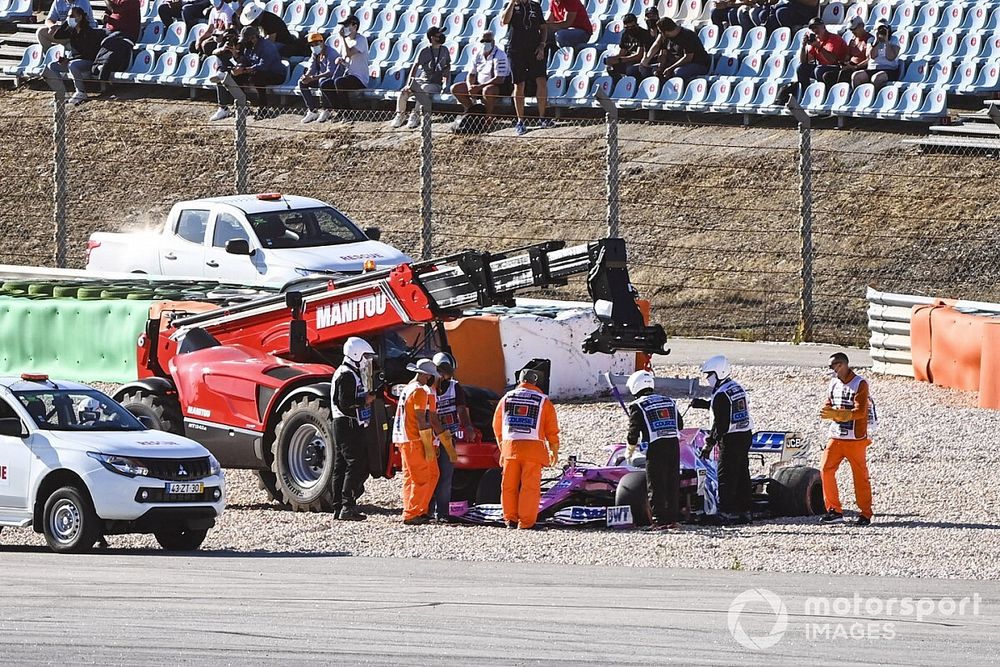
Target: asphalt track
[(120, 607)]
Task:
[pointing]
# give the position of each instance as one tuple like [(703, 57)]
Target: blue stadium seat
[(499, 31), (152, 33), (993, 23), (773, 67), (909, 101), (31, 60), (753, 40), (915, 72), (881, 11), (778, 40), (951, 17), (939, 73), (976, 17), (813, 97), (730, 39), (988, 80), (406, 24), (963, 75), (750, 67), (694, 92), (402, 52), (561, 61), (453, 25), (464, 60), (209, 68), (276, 7), (475, 25), (317, 19), (670, 91), (165, 66), (904, 16), (861, 100), (394, 80), (378, 50), (17, 11), (334, 16), (616, 9), (603, 83), (142, 63), (991, 47), (295, 14), (586, 60), (833, 14), (577, 89), (970, 47), (173, 36), (927, 17), (432, 19), (945, 45), (291, 82), (934, 107), (795, 44), (742, 95), (709, 36), (764, 100), (147, 9), (624, 89), (187, 67), (555, 88), (919, 46), (725, 65), (193, 35), (645, 93), (836, 98), (885, 102), (366, 17), (717, 95), (859, 9)]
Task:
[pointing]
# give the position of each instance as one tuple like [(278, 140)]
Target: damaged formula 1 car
[(614, 494)]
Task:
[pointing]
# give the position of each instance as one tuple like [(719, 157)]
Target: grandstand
[(948, 48)]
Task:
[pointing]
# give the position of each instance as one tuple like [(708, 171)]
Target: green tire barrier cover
[(41, 288), (89, 293), (63, 291), (72, 339)]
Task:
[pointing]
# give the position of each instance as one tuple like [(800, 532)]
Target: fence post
[(611, 120), (240, 136), (805, 328), (59, 234), (426, 171)]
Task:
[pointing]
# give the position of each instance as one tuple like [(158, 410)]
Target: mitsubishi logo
[(181, 472)]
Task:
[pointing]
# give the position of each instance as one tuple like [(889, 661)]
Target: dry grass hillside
[(711, 212)]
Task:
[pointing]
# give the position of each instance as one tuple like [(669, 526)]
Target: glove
[(427, 437), (707, 449), (554, 457), (449, 445), (836, 414), (700, 404), (629, 452)]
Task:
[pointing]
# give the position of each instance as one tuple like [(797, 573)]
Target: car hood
[(346, 258), (152, 444)]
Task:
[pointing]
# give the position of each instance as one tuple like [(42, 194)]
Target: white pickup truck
[(264, 239)]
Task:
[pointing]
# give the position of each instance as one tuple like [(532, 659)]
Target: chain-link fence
[(767, 232)]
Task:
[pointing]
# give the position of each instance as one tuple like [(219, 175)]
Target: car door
[(183, 252), (224, 267), (15, 466)]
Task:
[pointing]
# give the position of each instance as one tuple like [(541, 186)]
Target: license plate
[(185, 487)]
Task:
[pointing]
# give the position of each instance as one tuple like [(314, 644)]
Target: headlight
[(120, 464), (214, 469)]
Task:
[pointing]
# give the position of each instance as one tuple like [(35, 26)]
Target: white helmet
[(443, 358), (640, 380), (89, 404), (356, 349), (718, 365), (251, 13)]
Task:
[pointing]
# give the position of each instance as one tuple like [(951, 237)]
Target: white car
[(266, 239), (75, 465)]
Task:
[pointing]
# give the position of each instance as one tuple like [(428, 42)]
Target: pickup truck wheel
[(180, 539), (304, 455), (163, 411), (69, 521)]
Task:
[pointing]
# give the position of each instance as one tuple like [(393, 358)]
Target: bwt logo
[(351, 310)]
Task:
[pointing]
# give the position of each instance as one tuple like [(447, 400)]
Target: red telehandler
[(252, 382)]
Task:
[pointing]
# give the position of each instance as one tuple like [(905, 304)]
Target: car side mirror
[(12, 427), (238, 247), (146, 421), (373, 233)]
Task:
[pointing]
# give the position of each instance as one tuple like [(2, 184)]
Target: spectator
[(318, 79), (792, 14), (354, 58), (258, 65), (115, 55), (821, 56), (691, 58), (84, 42), (857, 50), (58, 13), (488, 78), (526, 41), (220, 21), (190, 11), (745, 13), (275, 30), (432, 71), (568, 23), (883, 60), (631, 47), (123, 16), (651, 17)]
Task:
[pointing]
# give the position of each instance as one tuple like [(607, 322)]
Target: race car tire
[(796, 491), (304, 455), (488, 490), (163, 411), (631, 491), (180, 539), (465, 485), (69, 521)]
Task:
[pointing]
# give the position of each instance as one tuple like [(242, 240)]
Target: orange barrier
[(957, 350), (475, 342)]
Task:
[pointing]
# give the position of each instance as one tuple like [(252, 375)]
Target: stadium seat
[(750, 67), (616, 8), (934, 107), (406, 24), (17, 11), (194, 34), (499, 31), (431, 19), (717, 95), (645, 94), (951, 17), (795, 44), (561, 61), (453, 25), (366, 16), (919, 46), (475, 25), (730, 40), (915, 72), (611, 34), (152, 33), (464, 60), (401, 53), (962, 76), (709, 36), (394, 80), (861, 100), (939, 73), (147, 10), (993, 23), (885, 102), (773, 67), (836, 99), (624, 89), (725, 65), (970, 46), (453, 50), (988, 80), (335, 42), (142, 63), (31, 60), (187, 67), (909, 101), (605, 84), (903, 17), (833, 14), (586, 60), (881, 11), (764, 100), (595, 32), (813, 98), (859, 9), (334, 16), (670, 91), (753, 41), (555, 88), (276, 7), (945, 46), (317, 19), (778, 41), (991, 48), (976, 17), (597, 7), (173, 36), (378, 51), (927, 17), (295, 14), (291, 82), (209, 68), (165, 66), (576, 91), (694, 93), (741, 97)]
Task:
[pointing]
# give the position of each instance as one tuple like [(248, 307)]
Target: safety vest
[(399, 434), (521, 414), (363, 414), (842, 397), (739, 407), (660, 415), (447, 408)]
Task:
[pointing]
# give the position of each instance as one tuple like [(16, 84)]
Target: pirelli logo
[(351, 310)]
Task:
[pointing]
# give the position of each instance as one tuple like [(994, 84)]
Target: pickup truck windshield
[(304, 228), (76, 410)]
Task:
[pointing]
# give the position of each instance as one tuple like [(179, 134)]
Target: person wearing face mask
[(354, 58), (431, 70), (220, 21), (84, 41), (488, 78), (732, 430), (631, 46), (527, 35), (56, 18), (259, 65), (523, 422), (319, 79), (275, 30), (413, 431), (453, 414)]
